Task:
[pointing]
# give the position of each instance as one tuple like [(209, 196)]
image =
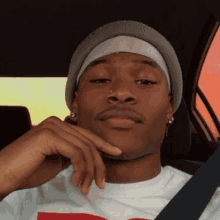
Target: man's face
[(126, 79)]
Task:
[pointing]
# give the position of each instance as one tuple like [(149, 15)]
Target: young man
[(124, 85)]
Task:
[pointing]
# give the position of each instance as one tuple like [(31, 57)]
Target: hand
[(47, 149)]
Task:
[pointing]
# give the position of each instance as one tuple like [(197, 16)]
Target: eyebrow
[(145, 62)]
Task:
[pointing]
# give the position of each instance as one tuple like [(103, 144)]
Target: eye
[(94, 81), (103, 79), (146, 81)]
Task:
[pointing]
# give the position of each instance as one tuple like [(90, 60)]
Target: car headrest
[(14, 122), (178, 142)]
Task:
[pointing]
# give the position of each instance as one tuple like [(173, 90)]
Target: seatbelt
[(190, 202)]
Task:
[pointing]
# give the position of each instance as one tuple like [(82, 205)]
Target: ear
[(170, 107), (74, 107)]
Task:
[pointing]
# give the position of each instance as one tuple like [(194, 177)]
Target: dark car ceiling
[(38, 37)]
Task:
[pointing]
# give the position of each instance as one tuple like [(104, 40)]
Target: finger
[(79, 172), (84, 180), (76, 150), (96, 140), (100, 171), (98, 174), (87, 178), (99, 142), (100, 168), (79, 131)]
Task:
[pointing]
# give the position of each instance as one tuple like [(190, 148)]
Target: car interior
[(38, 39)]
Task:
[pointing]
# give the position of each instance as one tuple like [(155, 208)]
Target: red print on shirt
[(74, 216)]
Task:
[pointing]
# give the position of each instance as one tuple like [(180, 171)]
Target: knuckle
[(46, 135), (46, 131), (90, 172), (52, 118), (48, 125), (78, 156), (79, 159), (89, 147)]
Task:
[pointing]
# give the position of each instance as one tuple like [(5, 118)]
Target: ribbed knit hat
[(156, 47)]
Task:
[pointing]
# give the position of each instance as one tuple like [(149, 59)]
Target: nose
[(122, 94)]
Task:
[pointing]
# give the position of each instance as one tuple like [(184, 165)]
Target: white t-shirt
[(58, 199)]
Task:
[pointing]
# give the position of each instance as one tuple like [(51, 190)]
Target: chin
[(123, 157)]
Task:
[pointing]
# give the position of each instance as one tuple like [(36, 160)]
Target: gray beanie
[(160, 50)]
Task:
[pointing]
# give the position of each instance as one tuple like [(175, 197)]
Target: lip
[(120, 122), (127, 114)]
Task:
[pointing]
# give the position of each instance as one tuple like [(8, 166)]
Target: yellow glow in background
[(43, 96)]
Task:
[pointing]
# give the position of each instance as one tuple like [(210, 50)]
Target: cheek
[(92, 98), (88, 103), (158, 122), (156, 114), (157, 99)]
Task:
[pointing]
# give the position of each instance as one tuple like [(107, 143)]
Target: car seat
[(14, 122), (177, 149)]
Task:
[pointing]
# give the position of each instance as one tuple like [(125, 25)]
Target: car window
[(43, 96), (208, 89)]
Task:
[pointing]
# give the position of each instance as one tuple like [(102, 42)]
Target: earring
[(170, 122), (73, 115)]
